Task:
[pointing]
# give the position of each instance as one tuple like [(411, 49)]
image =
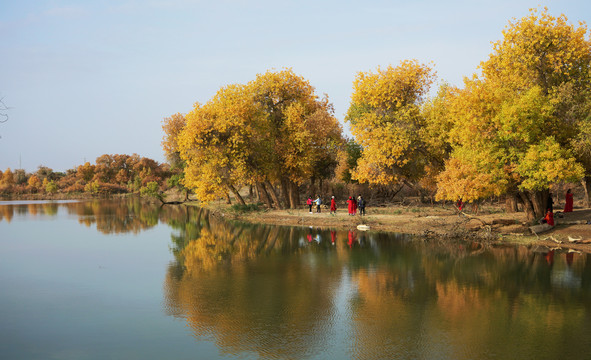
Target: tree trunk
[(586, 182), (294, 195), (511, 203), (236, 194), (540, 202), (228, 200), (274, 194), (263, 194), (285, 191), (534, 203)]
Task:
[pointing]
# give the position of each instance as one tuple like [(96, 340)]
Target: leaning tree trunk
[(273, 194), (586, 182), (236, 194), (264, 195)]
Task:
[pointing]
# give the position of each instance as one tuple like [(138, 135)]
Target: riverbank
[(490, 224)]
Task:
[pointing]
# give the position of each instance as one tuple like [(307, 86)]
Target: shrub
[(246, 208)]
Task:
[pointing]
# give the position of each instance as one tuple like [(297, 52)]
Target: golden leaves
[(511, 127), (385, 119), (272, 128)]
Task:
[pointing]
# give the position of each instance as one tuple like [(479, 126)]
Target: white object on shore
[(363, 227), (572, 239)]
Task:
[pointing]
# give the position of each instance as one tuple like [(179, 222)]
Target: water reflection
[(301, 292), (119, 216), (287, 292)]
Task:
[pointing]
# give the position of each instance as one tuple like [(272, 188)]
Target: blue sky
[(86, 78)]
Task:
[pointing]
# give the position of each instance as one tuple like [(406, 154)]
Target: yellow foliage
[(542, 50), (34, 182), (273, 128), (511, 127), (386, 121), (7, 179), (465, 179), (172, 126)]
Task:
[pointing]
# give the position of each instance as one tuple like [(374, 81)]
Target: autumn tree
[(7, 180), (50, 186), (44, 172), (272, 131), (513, 126), (215, 144), (386, 120), (34, 183), (172, 127), (303, 134), (85, 172)]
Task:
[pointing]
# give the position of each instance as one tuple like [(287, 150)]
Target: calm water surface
[(130, 280)]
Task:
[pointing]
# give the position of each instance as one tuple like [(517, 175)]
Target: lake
[(125, 279)]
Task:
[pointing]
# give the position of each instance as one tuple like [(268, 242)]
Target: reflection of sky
[(69, 291), (342, 318), (566, 278), (27, 202)]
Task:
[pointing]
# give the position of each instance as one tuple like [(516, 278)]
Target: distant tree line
[(111, 174)]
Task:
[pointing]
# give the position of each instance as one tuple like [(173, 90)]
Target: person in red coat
[(568, 206), (351, 206), (333, 206), (549, 218)]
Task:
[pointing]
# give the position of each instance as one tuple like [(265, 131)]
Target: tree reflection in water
[(274, 291), (294, 292)]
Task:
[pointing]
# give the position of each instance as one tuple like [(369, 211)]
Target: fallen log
[(540, 228)]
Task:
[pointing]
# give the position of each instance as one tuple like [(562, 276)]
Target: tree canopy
[(386, 120), (272, 130), (513, 125)]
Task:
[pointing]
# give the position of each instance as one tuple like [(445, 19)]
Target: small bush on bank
[(246, 208)]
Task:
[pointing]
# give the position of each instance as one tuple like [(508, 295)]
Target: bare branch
[(3, 108)]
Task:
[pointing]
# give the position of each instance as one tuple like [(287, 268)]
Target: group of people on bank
[(568, 207), (353, 205)]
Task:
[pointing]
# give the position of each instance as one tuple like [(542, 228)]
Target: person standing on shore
[(550, 203), (351, 206), (318, 202), (568, 206), (361, 205), (333, 206), (309, 203)]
